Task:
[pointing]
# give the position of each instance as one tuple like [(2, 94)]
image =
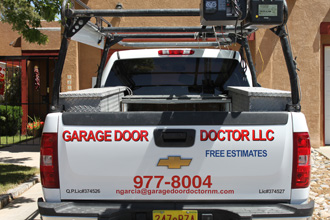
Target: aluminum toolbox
[(93, 100), (258, 99)]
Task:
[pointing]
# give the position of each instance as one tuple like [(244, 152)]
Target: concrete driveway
[(26, 154), (25, 206)]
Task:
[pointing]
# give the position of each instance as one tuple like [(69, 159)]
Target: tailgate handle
[(174, 137)]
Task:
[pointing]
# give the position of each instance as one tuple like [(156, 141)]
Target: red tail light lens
[(176, 52), (301, 160), (49, 161)]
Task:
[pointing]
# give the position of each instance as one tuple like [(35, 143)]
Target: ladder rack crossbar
[(70, 13), (174, 36), (176, 29), (174, 44)]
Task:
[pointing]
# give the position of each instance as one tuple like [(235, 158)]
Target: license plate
[(174, 215)]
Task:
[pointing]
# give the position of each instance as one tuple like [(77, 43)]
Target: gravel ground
[(320, 186)]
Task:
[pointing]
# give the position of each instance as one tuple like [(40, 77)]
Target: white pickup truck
[(176, 133), (180, 144)]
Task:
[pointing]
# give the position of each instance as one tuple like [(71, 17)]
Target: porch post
[(24, 96)]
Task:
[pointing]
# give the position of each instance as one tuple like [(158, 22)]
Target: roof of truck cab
[(152, 53)]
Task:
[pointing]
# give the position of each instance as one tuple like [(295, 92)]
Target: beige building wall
[(307, 44), (304, 28), (89, 60), (149, 4), (70, 74)]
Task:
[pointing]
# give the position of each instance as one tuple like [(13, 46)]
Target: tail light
[(176, 52), (301, 160), (49, 161)]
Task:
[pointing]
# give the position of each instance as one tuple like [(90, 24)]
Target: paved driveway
[(25, 206), (21, 154)]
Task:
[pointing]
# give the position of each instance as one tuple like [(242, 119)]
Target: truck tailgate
[(175, 156)]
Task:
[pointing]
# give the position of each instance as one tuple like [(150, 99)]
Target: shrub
[(11, 120), (13, 87)]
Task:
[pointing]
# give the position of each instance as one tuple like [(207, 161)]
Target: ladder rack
[(74, 20), (79, 17)]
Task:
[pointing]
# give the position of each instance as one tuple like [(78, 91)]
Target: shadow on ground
[(27, 146), (15, 160), (19, 202)]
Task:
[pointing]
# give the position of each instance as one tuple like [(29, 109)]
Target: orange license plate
[(174, 215)]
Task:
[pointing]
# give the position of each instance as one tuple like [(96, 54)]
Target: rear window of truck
[(177, 76)]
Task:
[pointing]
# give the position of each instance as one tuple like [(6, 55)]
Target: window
[(177, 76)]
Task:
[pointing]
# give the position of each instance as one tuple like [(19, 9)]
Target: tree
[(25, 16)]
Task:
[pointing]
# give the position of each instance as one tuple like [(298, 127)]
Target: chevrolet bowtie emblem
[(174, 162)]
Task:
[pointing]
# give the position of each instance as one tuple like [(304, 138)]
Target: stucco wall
[(151, 4), (307, 43), (70, 74), (304, 24), (89, 59)]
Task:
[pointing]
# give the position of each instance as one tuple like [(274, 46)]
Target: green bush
[(10, 120), (13, 88)]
